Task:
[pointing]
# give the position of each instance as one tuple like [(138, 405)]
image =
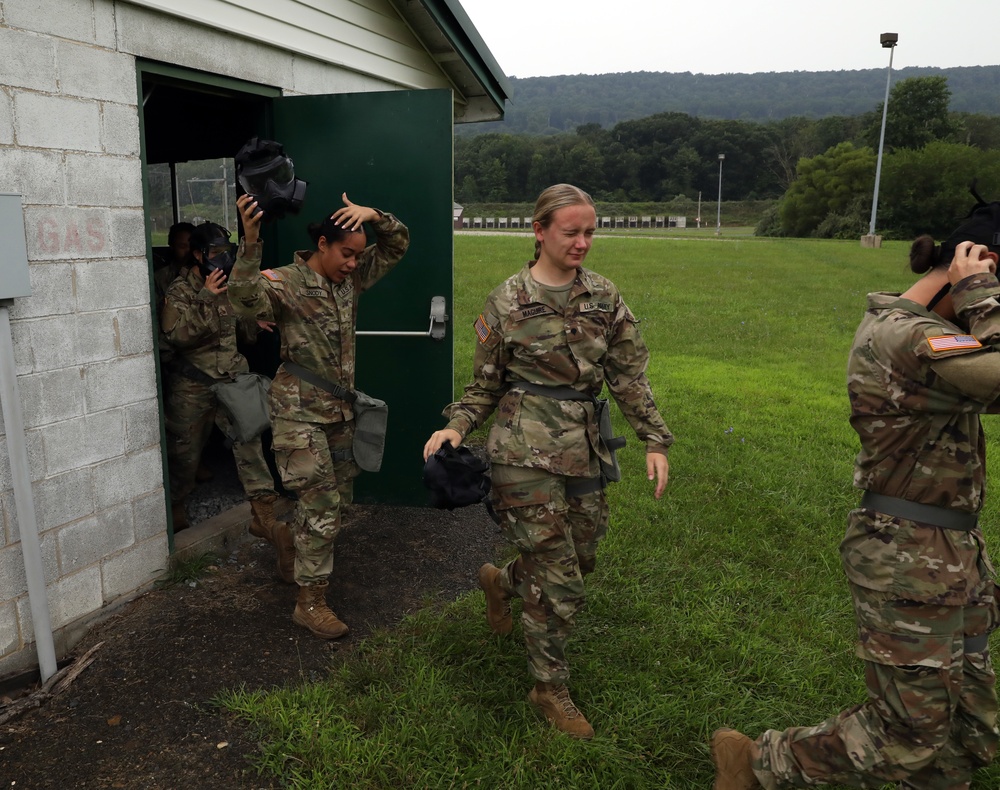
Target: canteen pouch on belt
[(245, 402), (609, 471), (371, 417)]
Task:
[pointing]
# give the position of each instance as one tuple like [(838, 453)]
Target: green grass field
[(721, 604)]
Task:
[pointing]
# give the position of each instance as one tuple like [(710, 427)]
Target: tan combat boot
[(553, 700), (312, 612), (497, 600), (262, 523), (732, 753), (265, 525)]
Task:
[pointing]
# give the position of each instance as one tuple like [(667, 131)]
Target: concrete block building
[(98, 97)]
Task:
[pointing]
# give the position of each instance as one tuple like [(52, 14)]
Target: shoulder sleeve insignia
[(952, 342), (483, 330), (272, 275)]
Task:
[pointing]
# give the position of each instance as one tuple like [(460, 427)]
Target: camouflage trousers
[(931, 716), (310, 461), (556, 537), (191, 411)]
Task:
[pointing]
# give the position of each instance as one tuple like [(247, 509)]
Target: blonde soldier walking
[(314, 304), (202, 329), (549, 339)]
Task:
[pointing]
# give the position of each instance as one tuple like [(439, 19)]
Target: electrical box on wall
[(14, 280)]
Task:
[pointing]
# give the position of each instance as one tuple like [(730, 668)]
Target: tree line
[(549, 105), (671, 155)]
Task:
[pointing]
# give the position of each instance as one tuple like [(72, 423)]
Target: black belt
[(187, 369), (943, 517), (580, 486), (556, 393)]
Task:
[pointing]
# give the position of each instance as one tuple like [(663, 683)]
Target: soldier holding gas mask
[(201, 326), (314, 301)]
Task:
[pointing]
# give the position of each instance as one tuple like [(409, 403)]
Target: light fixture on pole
[(888, 41), (718, 213)]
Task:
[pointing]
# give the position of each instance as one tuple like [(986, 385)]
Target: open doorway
[(399, 159), (192, 125)]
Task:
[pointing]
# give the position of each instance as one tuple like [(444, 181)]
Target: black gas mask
[(266, 174), (212, 241), (980, 226)]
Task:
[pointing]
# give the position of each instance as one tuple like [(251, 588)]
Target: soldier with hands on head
[(549, 339), (314, 302), (924, 365), (202, 329)]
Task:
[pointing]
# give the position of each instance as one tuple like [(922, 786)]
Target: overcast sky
[(535, 38)]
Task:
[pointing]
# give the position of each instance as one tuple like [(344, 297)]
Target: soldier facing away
[(923, 367), (314, 302), (549, 339)]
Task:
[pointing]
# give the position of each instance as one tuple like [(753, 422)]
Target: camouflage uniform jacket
[(917, 384), (163, 277), (316, 318), (525, 336), (202, 327)]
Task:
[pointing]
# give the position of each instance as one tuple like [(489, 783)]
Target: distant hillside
[(546, 105)]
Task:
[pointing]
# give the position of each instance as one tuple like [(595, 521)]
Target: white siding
[(365, 36)]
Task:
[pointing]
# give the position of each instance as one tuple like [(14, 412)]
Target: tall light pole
[(888, 41), (718, 212)]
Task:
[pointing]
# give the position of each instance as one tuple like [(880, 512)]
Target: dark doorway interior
[(187, 122)]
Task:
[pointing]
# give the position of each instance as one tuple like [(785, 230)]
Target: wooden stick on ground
[(56, 684)]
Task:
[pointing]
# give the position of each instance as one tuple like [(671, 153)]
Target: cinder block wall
[(83, 348), (69, 143)]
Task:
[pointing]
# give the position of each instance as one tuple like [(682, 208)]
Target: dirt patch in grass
[(140, 716)]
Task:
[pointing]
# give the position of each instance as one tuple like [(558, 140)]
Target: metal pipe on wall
[(20, 473)]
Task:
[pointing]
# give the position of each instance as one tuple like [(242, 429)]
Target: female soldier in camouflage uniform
[(314, 304), (924, 365), (550, 338), (201, 327)]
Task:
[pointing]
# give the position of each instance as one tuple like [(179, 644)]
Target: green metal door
[(392, 151)]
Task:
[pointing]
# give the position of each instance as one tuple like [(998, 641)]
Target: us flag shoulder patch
[(272, 275), (949, 342), (483, 330)]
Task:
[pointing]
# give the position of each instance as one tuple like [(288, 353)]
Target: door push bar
[(435, 331)]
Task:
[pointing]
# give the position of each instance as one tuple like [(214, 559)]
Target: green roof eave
[(456, 25)]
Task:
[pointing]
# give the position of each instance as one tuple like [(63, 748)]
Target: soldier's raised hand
[(216, 281), (971, 259), (352, 215), (252, 216)]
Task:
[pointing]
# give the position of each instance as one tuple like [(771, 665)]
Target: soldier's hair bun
[(924, 254), (327, 229)]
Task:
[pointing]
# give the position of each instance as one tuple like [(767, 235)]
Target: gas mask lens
[(218, 256), (276, 173), (268, 175)]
